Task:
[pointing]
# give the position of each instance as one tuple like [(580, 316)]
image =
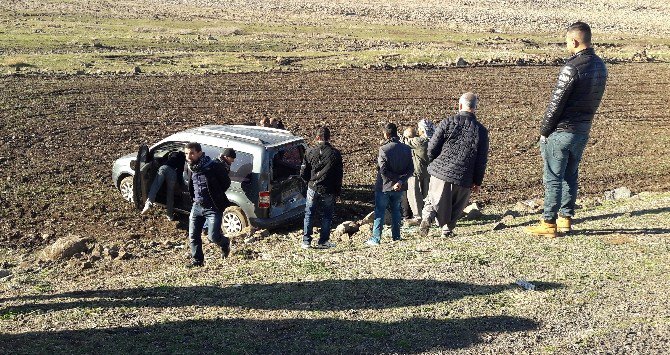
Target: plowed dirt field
[(60, 135)]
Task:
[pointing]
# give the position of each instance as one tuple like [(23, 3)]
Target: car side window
[(242, 167)]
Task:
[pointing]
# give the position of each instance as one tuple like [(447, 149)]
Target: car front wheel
[(234, 220), (126, 188)]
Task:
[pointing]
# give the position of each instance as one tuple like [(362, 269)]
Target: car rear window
[(286, 162)]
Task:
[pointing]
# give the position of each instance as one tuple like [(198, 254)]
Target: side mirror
[(133, 164)]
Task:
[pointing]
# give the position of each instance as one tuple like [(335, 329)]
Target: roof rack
[(229, 134), (267, 129)]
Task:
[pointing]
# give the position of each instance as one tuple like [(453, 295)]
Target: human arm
[(564, 86)]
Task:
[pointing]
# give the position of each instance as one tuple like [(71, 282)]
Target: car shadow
[(282, 336), (328, 295)]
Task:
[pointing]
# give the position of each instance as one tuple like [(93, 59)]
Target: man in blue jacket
[(565, 129), (395, 166), (208, 182), (458, 151)]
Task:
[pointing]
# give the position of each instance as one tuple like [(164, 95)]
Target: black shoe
[(423, 228), (194, 264), (225, 247)]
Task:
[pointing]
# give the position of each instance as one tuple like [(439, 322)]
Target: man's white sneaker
[(147, 207), (305, 245), (371, 243)]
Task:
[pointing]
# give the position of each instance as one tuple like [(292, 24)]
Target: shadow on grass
[(633, 231), (328, 295), (327, 335)]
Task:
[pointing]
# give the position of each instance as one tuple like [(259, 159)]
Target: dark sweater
[(459, 150), (322, 169)]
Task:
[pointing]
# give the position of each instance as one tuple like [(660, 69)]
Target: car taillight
[(264, 199)]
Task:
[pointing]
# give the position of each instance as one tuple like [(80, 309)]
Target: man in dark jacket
[(168, 173), (565, 129), (322, 169), (394, 169), (208, 182), (458, 152)]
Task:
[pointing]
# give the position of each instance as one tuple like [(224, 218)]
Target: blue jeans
[(169, 175), (200, 214), (325, 203), (561, 154), (382, 200)]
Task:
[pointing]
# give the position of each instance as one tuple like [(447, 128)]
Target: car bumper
[(290, 216)]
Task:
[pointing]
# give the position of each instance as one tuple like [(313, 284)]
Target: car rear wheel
[(126, 188), (234, 220)]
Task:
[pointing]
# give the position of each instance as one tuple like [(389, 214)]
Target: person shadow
[(334, 333)]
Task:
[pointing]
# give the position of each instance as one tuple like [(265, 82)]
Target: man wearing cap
[(458, 152), (208, 182), (322, 169)]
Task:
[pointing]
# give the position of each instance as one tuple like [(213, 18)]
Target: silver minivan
[(266, 189)]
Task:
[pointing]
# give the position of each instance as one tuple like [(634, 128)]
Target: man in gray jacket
[(458, 152), (394, 168)]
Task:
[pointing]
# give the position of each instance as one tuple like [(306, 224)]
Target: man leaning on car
[(208, 182)]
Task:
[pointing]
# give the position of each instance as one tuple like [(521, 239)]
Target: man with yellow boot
[(565, 129)]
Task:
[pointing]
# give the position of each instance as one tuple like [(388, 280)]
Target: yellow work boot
[(543, 229), (564, 224)]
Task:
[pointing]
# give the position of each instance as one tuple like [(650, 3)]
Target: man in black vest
[(322, 169), (565, 129)]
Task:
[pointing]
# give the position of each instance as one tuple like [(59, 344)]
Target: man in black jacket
[(322, 169), (458, 151), (208, 182), (565, 129)]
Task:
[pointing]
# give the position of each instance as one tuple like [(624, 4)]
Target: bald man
[(565, 128), (458, 151)]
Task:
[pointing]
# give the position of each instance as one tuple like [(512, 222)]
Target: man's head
[(390, 130), (578, 37), (322, 134), (193, 152), (228, 155), (468, 102), (264, 122), (410, 132)]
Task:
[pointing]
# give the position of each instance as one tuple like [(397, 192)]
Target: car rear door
[(287, 187)]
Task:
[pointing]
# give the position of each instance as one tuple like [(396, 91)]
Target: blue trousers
[(561, 154), (382, 200), (315, 202), (200, 214)]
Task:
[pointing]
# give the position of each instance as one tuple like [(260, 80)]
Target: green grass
[(85, 44)]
